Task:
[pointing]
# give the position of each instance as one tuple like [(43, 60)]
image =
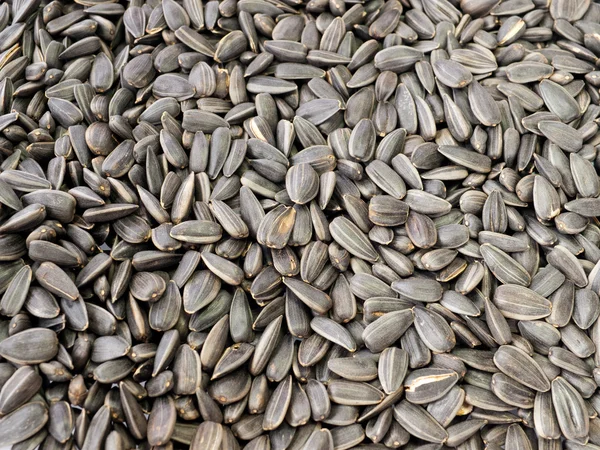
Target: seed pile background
[(287, 224)]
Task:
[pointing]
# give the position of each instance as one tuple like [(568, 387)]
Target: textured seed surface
[(267, 224)]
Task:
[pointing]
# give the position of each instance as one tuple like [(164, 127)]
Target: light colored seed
[(427, 385)]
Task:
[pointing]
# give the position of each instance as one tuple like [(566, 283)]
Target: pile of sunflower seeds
[(288, 224)]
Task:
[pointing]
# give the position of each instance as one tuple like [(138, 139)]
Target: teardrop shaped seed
[(32, 346), (518, 365)]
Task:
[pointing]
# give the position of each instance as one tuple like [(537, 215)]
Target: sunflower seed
[(570, 409), (519, 366), (402, 167), (419, 423)]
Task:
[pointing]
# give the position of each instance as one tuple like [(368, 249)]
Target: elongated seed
[(267, 225)]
